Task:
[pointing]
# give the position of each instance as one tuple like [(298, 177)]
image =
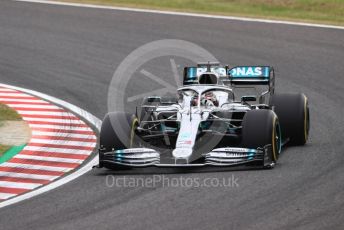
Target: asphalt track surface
[(71, 53)]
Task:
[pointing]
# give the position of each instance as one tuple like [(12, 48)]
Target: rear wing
[(239, 75), (191, 74), (251, 75)]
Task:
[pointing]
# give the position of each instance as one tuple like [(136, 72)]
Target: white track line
[(9, 184), (23, 100), (7, 90), (24, 112), (68, 121), (61, 134), (14, 95), (82, 170), (27, 176), (61, 127), (31, 106), (53, 159), (35, 167), (6, 195), (57, 150), (63, 142), (245, 19), (56, 114)]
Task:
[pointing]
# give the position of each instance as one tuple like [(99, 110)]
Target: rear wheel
[(261, 128), (293, 113)]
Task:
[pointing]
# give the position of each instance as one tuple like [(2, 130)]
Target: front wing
[(220, 157)]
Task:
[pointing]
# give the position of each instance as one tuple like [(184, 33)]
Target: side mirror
[(248, 98)]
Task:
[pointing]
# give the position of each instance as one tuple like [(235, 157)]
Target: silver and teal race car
[(215, 120)]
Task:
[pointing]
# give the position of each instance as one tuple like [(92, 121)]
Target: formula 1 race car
[(208, 123)]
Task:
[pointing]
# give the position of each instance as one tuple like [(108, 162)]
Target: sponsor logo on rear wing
[(250, 74), (191, 74), (235, 75)]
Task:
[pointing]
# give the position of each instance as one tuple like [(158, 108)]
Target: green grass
[(7, 114), (316, 11)]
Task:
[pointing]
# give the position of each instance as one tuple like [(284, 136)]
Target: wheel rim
[(132, 133), (276, 139), (306, 121)]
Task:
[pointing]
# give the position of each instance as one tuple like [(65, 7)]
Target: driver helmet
[(194, 100), (209, 99)]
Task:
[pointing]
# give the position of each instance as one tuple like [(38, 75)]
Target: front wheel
[(261, 128), (117, 132)]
